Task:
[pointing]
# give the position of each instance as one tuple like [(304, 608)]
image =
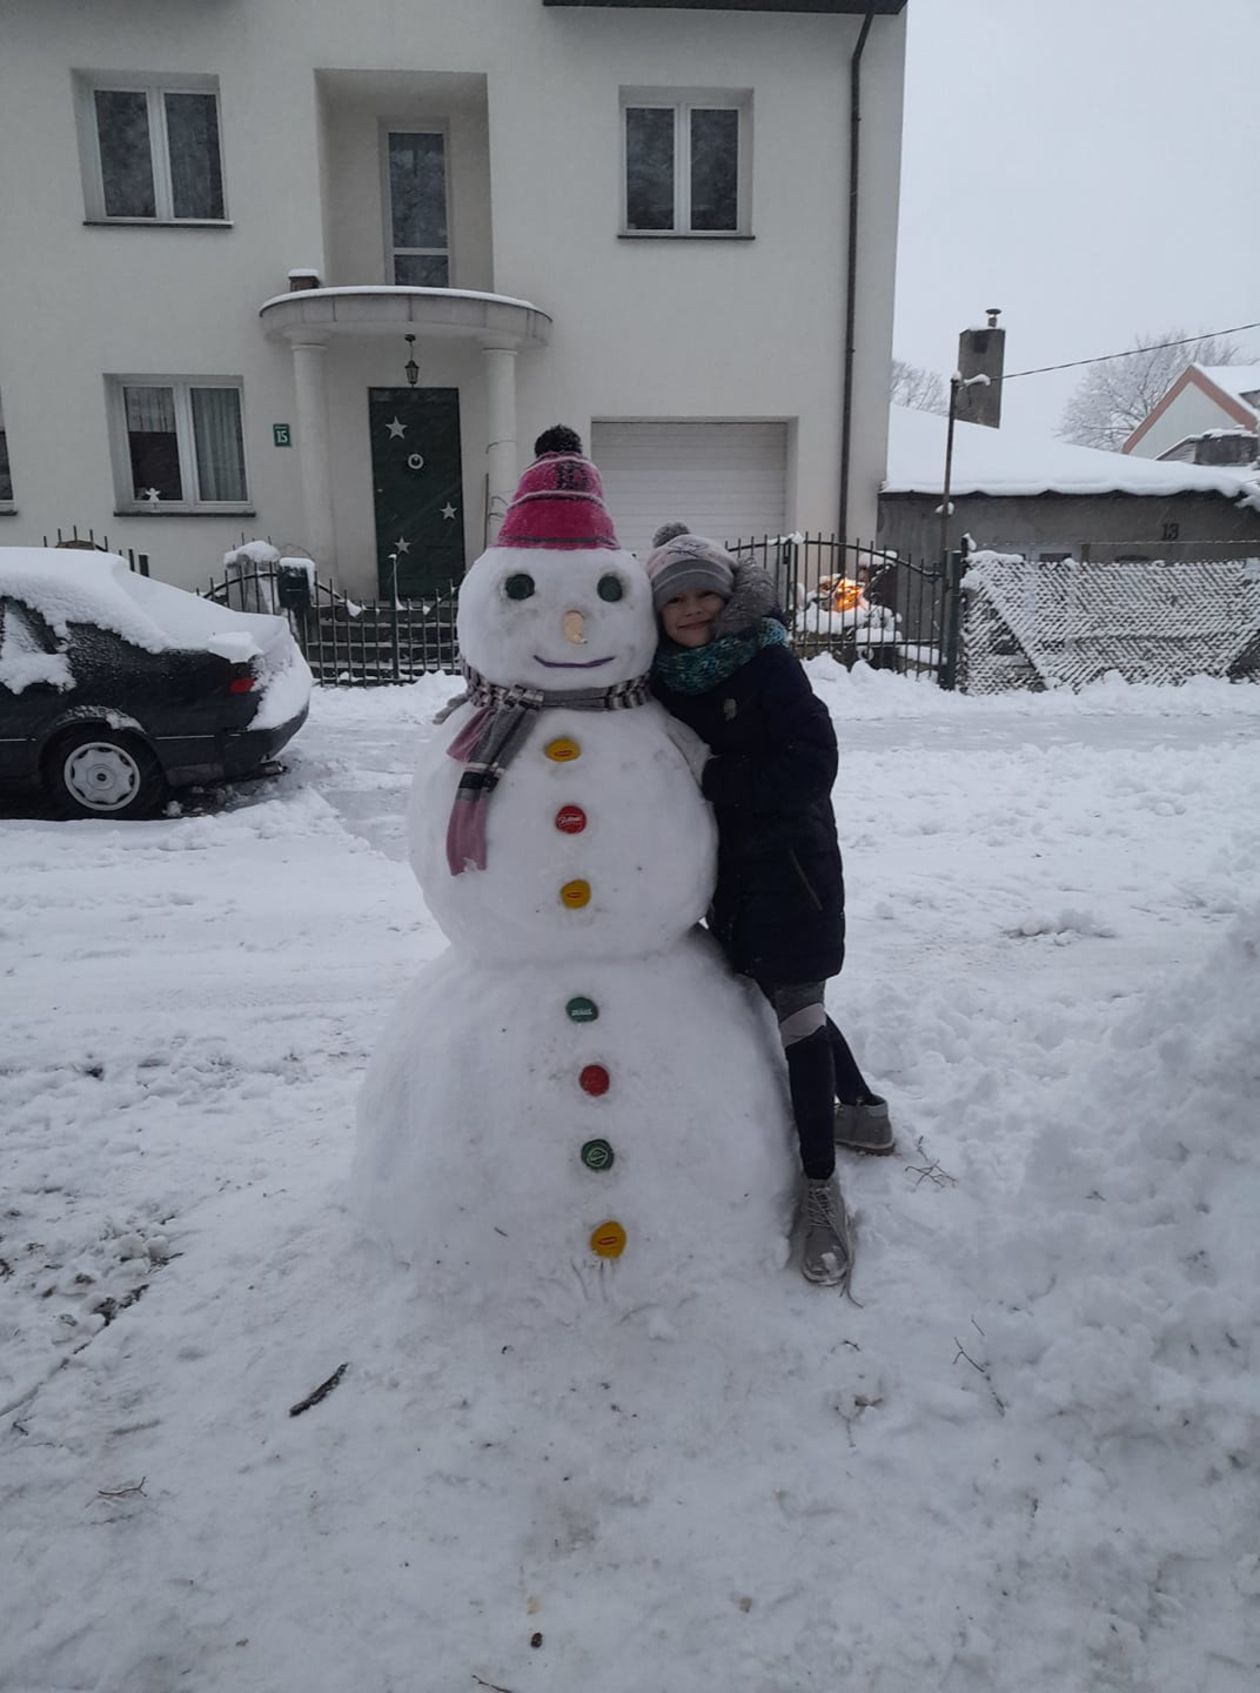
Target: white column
[(501, 462), (314, 459)]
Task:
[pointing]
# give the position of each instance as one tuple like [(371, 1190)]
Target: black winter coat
[(779, 905)]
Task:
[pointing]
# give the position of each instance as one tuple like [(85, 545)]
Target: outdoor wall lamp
[(411, 368)]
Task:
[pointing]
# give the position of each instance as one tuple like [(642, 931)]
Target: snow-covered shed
[(1016, 492)]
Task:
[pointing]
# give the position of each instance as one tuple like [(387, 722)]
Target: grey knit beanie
[(688, 563)]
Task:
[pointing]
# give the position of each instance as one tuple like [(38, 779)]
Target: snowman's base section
[(511, 1146)]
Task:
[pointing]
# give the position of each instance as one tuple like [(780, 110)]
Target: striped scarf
[(491, 739)]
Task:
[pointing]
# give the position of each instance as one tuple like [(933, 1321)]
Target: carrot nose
[(574, 626)]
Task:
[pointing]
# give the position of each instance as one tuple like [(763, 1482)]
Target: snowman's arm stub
[(693, 748)]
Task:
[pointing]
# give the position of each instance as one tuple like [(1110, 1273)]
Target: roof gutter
[(850, 295)]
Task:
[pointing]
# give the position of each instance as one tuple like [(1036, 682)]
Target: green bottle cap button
[(582, 1010), (598, 1155)]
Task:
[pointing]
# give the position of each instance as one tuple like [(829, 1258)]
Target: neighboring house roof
[(1224, 383), (1242, 381), (1009, 462)]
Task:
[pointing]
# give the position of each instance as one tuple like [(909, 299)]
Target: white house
[(225, 222), (1210, 415)]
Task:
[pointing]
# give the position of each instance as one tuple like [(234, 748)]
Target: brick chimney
[(982, 352)]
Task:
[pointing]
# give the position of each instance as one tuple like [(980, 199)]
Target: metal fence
[(863, 604), (138, 563), (344, 641), (855, 602), (1065, 624)]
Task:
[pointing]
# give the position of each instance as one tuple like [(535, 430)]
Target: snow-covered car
[(115, 688)]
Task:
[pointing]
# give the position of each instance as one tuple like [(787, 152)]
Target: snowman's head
[(556, 603), (557, 620)]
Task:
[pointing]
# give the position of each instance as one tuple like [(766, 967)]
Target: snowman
[(575, 1101)]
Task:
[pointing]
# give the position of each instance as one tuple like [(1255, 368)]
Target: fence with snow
[(1039, 625)]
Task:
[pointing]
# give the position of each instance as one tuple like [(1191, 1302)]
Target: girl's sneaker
[(826, 1238), (866, 1127)]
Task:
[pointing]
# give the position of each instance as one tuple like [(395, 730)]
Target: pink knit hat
[(559, 501)]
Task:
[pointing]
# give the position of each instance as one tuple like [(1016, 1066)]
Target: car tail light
[(243, 680)]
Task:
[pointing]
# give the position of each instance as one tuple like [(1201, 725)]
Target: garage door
[(727, 480)]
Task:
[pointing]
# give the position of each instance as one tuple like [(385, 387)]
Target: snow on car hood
[(67, 586)]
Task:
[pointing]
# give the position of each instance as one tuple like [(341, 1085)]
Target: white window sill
[(683, 235), (157, 223), (171, 508)]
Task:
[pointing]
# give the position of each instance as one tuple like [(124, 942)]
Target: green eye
[(610, 588), (519, 587)]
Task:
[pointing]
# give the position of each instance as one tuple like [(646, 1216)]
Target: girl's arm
[(795, 761)]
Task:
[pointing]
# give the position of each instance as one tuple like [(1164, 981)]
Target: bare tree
[(925, 390), (1113, 397)]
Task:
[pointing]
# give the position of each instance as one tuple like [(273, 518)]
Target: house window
[(419, 242), (179, 445), (686, 165), (151, 149), (6, 480)]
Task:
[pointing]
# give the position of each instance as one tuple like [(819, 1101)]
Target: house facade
[(1210, 415), (321, 274)]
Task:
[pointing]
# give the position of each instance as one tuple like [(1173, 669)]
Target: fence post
[(952, 622)]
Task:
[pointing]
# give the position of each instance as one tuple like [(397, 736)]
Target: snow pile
[(1140, 1319), (252, 553)]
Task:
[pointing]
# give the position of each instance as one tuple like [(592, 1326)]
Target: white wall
[(1190, 413), (646, 328)]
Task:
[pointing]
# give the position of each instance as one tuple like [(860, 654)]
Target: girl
[(724, 667)]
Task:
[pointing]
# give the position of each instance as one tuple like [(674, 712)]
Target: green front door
[(419, 490)]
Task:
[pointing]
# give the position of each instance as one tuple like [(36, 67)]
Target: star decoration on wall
[(396, 429), (448, 511), (402, 546), (153, 495)]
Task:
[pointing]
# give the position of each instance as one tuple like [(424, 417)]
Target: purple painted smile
[(574, 664)]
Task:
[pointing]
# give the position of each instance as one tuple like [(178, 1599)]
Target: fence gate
[(861, 604)]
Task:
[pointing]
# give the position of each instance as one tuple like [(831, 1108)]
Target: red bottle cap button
[(594, 1079), (570, 820)]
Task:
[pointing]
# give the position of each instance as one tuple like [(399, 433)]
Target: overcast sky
[(1091, 166)]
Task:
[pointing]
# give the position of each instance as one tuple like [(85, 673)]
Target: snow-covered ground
[(1027, 1459)]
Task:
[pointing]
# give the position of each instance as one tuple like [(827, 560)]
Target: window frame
[(416, 126), (155, 87), (682, 102), (125, 502)]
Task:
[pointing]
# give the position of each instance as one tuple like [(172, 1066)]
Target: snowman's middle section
[(573, 868)]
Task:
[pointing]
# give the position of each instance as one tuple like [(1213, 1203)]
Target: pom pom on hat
[(559, 501), (667, 531), (558, 439)]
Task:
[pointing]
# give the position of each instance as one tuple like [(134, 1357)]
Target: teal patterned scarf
[(697, 670)]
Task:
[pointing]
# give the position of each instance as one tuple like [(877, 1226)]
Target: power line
[(1132, 352)]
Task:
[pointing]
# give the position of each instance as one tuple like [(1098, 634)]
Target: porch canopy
[(308, 318)]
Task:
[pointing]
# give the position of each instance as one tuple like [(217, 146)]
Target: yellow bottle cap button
[(608, 1240), (562, 750), (575, 895)]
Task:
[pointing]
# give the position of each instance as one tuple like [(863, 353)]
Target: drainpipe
[(850, 300)]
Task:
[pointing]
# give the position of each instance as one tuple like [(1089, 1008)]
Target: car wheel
[(101, 772)]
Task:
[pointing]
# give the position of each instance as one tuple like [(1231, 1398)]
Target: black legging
[(821, 1069)]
